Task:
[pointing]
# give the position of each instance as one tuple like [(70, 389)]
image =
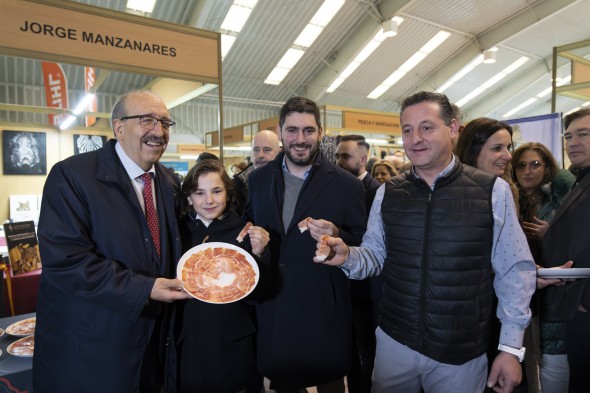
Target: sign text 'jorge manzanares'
[(97, 38)]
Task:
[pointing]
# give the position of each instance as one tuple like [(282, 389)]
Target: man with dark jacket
[(109, 243), (438, 232), (567, 240), (351, 155), (304, 323)]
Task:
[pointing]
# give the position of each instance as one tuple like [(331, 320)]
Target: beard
[(354, 171), (305, 161)]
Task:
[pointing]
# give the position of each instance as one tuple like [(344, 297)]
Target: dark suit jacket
[(99, 266), (304, 325), (565, 240)]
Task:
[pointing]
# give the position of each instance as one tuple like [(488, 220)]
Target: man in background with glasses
[(109, 241)]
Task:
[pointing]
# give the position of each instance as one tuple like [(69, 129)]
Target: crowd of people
[(417, 276)]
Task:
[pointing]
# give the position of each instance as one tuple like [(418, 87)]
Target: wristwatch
[(519, 353)]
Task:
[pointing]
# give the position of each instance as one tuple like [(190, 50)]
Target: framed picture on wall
[(85, 143), (24, 153)]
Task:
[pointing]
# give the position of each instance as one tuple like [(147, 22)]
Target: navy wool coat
[(99, 266), (304, 325)]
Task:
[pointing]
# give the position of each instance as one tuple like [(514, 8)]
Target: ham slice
[(244, 232), (323, 250), (303, 224)]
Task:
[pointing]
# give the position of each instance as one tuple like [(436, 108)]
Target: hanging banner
[(56, 90), (545, 129), (88, 83)]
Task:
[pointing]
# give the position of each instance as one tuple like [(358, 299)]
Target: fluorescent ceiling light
[(237, 148), (68, 122), (545, 92), (378, 91), (518, 108), (435, 41), (188, 157), (79, 109), (586, 103), (290, 58), (560, 82), (461, 73), (83, 104), (234, 21), (146, 6), (409, 64), (362, 55), (227, 41), (276, 76), (308, 35), (237, 16), (326, 12), (493, 80), (189, 96), (514, 66)]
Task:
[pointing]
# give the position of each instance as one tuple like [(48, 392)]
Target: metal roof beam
[(492, 37), (365, 30), (498, 97)]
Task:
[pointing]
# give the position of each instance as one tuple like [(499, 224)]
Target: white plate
[(24, 352), (225, 279), (564, 273), (23, 328)]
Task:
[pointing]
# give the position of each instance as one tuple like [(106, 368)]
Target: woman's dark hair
[(551, 167), (191, 183), (475, 135)]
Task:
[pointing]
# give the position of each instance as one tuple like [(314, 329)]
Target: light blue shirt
[(286, 168), (515, 271)]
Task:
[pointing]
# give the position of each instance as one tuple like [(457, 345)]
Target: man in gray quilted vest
[(444, 236)]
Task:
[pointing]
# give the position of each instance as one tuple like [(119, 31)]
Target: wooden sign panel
[(65, 31), (384, 124)]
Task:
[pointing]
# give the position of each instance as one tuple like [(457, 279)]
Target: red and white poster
[(56, 90), (88, 83)]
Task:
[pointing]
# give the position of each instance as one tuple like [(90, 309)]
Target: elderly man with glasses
[(109, 241)]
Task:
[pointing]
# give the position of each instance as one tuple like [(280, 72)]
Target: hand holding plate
[(167, 290), (546, 277)]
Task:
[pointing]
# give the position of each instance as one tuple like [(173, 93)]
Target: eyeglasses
[(534, 165), (149, 122)]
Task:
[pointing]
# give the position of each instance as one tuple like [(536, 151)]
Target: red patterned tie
[(150, 209)]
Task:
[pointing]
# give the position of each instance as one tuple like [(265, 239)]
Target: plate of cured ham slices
[(218, 272), (23, 328), (24, 347)]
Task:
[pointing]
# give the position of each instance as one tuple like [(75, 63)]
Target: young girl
[(215, 344)]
